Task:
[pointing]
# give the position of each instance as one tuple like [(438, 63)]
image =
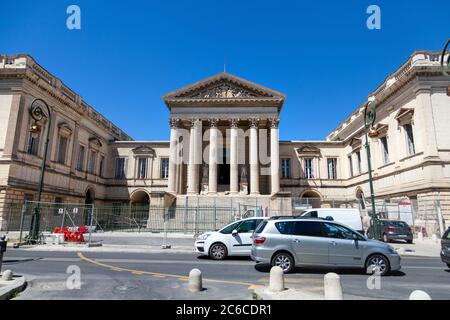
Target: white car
[(234, 239)]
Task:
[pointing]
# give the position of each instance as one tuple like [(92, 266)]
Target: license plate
[(402, 236)]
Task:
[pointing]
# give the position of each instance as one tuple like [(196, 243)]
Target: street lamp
[(369, 121), (37, 112)]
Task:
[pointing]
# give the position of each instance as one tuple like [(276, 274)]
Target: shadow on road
[(235, 258), (356, 271)]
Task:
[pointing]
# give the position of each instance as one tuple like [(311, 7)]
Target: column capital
[(234, 123), (213, 122), (274, 123), (254, 123), (193, 122), (174, 122)]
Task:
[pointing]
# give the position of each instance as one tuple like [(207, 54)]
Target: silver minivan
[(315, 243)]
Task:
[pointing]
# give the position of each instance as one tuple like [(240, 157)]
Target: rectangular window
[(80, 158), (142, 168), (384, 149), (332, 171), (92, 162), (120, 168), (285, 168), (409, 139), (62, 150), (33, 143), (309, 169), (308, 229), (350, 165), (28, 208), (358, 162), (164, 168), (101, 166), (59, 208)]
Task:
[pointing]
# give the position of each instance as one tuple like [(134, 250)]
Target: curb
[(9, 288), (106, 248)]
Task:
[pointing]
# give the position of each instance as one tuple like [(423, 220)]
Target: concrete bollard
[(7, 275), (276, 282), (195, 280), (419, 295), (419, 236), (332, 287)]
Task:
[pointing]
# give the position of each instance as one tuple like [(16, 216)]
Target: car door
[(310, 243), (344, 248), (242, 240)]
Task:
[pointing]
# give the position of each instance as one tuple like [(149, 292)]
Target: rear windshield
[(284, 227), (261, 227), (400, 224)]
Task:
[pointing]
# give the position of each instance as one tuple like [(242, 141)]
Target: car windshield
[(398, 224)]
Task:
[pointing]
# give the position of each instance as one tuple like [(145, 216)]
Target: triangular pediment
[(144, 150), (223, 88)]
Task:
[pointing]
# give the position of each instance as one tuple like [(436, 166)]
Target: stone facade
[(224, 145)]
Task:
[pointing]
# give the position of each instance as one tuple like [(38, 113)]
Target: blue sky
[(129, 53)]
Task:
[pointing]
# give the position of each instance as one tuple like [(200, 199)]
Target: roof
[(224, 89)]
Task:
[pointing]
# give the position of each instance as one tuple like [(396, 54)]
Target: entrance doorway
[(223, 169)]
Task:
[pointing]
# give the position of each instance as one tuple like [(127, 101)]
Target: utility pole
[(36, 111)]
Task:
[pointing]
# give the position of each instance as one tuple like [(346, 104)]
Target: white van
[(347, 216)]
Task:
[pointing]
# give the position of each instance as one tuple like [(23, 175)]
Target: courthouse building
[(224, 145)]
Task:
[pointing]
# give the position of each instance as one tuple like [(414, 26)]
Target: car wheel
[(218, 251), (379, 262), (283, 260), (409, 241), (385, 238), (448, 265)]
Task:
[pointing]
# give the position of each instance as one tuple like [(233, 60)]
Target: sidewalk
[(420, 248), (180, 242)]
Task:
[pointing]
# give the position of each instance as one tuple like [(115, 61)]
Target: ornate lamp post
[(369, 121), (37, 112)]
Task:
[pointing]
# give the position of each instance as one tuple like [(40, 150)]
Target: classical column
[(212, 188), (173, 156), (234, 184), (274, 156), (254, 165), (193, 158)]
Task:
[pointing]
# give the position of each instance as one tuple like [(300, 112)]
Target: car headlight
[(203, 236)]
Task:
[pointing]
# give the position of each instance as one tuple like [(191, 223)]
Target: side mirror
[(234, 232)]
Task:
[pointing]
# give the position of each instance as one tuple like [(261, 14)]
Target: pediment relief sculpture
[(223, 91), (226, 88)]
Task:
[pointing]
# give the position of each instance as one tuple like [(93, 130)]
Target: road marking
[(157, 274), (293, 280)]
